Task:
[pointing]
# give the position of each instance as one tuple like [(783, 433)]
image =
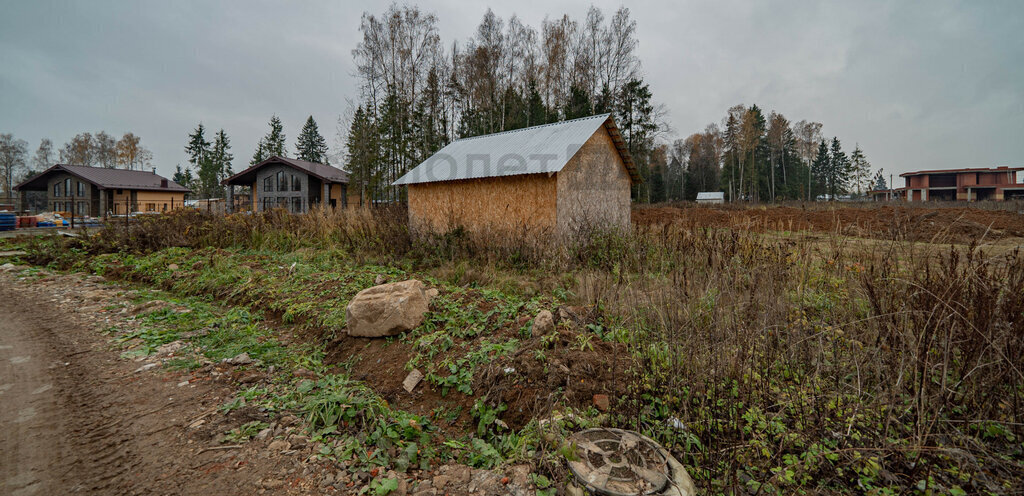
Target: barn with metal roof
[(560, 178)]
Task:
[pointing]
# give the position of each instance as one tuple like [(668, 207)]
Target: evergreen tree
[(362, 145), (536, 112), (271, 144), (197, 148), (215, 167), (839, 170), (860, 169), (820, 170), (636, 122), (578, 104), (183, 176), (879, 183), (311, 145)]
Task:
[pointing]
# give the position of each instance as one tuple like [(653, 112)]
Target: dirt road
[(76, 419)]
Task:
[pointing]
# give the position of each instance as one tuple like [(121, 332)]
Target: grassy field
[(774, 355)]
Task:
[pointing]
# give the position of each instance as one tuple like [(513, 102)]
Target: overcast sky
[(917, 84)]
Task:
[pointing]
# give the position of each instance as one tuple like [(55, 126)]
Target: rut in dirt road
[(77, 419), (55, 430)]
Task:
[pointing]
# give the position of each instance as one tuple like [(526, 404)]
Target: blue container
[(8, 221)]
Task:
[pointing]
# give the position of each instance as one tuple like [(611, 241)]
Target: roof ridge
[(538, 126)]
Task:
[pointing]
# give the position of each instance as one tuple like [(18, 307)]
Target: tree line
[(417, 94), (756, 157), (211, 162), (94, 150)]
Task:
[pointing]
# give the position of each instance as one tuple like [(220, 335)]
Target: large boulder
[(387, 310)]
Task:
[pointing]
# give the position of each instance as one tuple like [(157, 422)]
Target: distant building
[(292, 184), (974, 184), (559, 178), (98, 191), (891, 194), (711, 197)]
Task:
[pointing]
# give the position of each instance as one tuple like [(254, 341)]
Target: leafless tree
[(13, 157), (808, 135)]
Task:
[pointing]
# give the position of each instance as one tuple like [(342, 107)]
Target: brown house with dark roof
[(292, 184), (98, 191)]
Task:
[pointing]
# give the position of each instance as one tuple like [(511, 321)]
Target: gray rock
[(387, 310), (412, 380), (239, 359), (543, 323), (148, 366)]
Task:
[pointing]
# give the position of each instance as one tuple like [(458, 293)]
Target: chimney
[(154, 170)]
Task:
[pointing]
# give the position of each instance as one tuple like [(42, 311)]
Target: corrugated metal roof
[(322, 171), (711, 195), (107, 178), (533, 150)]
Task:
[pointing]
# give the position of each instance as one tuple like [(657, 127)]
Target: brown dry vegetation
[(767, 363)]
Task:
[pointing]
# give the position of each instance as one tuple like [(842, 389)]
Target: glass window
[(268, 184), (282, 184), (282, 202), (67, 187), (81, 188), (151, 207), (82, 209), (296, 204), (296, 183), (56, 190)]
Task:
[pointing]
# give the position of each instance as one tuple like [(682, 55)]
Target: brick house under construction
[(973, 184)]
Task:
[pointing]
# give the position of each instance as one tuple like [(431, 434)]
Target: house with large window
[(97, 191), (292, 184)]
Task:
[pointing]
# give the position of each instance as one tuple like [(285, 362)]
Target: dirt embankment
[(915, 223)]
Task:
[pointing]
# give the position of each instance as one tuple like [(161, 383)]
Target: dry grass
[(794, 365)]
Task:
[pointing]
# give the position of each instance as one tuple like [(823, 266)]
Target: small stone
[(379, 280), (328, 480), (279, 445), (432, 293), (298, 442), (543, 323), (148, 366), (265, 433), (273, 484), (303, 373), (172, 267), (412, 380), (239, 359), (183, 384), (169, 348), (601, 402)]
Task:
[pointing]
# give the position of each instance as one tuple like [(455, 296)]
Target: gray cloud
[(918, 85)]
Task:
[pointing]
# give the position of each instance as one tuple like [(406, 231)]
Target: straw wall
[(593, 188), (513, 203)]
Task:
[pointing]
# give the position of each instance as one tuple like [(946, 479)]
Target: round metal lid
[(616, 462)]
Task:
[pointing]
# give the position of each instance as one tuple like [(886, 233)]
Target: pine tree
[(636, 122), (839, 169), (183, 176), (536, 112), (311, 146), (879, 183), (271, 144), (362, 145), (197, 148), (578, 104), (860, 168), (820, 170), (216, 167)]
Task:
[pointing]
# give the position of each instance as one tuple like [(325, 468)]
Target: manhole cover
[(614, 462)]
